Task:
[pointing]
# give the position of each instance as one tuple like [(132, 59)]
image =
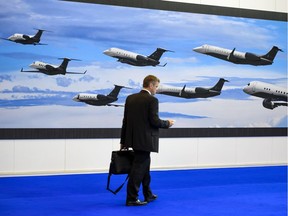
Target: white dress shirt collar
[(147, 90)]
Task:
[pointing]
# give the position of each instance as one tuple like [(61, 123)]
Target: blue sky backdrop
[(83, 31)]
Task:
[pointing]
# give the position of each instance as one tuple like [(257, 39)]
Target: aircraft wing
[(162, 65), (116, 105), (40, 44), (231, 56), (126, 60), (276, 104), (32, 71), (182, 92), (76, 72), (5, 39)]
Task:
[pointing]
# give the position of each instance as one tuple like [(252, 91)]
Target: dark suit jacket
[(141, 123)]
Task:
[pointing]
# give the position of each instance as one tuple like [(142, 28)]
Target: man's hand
[(171, 122)]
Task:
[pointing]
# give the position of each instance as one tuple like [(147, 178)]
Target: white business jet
[(49, 69), (238, 57), (273, 95), (100, 99), (198, 92), (136, 59), (26, 39)]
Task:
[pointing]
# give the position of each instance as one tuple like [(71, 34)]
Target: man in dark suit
[(140, 131)]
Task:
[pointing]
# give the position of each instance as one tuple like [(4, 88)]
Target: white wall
[(93, 155), (267, 5)]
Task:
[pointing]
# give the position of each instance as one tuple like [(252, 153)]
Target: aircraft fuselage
[(188, 93), (266, 90), (130, 58), (46, 68), (94, 99), (273, 95), (198, 92), (23, 39), (235, 56)]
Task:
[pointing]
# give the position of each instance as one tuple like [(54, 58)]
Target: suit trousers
[(140, 174)]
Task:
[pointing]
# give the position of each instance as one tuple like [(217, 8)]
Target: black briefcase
[(121, 163)]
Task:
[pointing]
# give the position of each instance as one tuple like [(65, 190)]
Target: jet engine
[(26, 37), (252, 57), (50, 68), (101, 97), (153, 62), (267, 103), (199, 90), (141, 58)]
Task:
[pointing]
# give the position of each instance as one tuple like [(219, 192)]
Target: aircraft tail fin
[(64, 64), (158, 53), (116, 90), (272, 53), (38, 35), (219, 85)]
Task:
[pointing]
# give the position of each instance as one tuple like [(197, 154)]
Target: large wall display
[(71, 66)]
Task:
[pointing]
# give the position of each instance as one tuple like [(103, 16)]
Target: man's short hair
[(150, 79)]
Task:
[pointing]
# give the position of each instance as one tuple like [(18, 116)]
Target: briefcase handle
[(125, 148), (119, 188)]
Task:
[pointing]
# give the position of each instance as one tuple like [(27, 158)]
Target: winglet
[(162, 65), (280, 50)]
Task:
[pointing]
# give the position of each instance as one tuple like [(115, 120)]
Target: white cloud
[(219, 113), (226, 113), (179, 60), (61, 117)]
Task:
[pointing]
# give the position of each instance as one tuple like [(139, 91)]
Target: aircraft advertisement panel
[(82, 31)]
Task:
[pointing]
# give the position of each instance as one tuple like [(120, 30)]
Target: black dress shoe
[(151, 198), (136, 203)]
